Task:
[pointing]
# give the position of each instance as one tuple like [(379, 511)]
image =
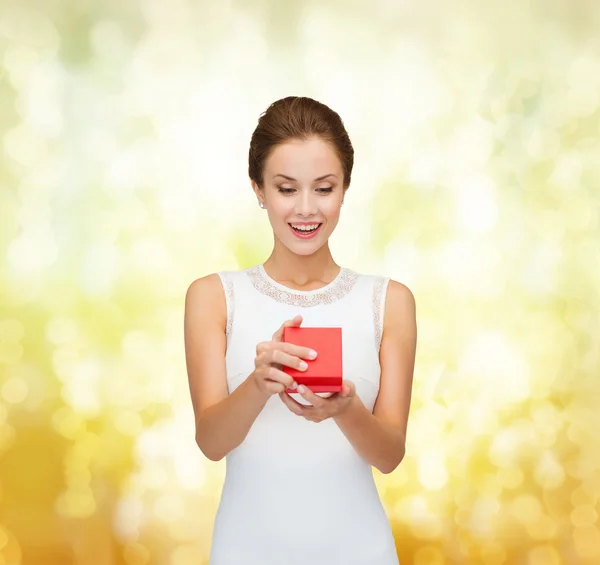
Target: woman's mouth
[(305, 231)]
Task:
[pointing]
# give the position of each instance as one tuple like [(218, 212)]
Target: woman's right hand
[(272, 355)]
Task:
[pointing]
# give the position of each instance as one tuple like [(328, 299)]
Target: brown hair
[(298, 117)]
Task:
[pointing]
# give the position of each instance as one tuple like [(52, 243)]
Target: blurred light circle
[(136, 554), (543, 555), (14, 390)]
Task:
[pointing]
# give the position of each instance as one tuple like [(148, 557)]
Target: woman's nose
[(306, 204)]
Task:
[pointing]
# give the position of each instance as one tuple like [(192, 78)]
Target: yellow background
[(124, 129)]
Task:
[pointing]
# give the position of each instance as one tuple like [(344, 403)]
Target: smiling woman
[(302, 204), (300, 163)]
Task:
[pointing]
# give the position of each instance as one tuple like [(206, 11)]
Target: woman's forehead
[(314, 158)]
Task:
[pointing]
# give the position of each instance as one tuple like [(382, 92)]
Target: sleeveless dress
[(296, 492)]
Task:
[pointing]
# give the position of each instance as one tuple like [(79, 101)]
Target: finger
[(295, 321), (307, 412), (276, 375), (265, 357), (309, 395), (294, 407), (275, 387), (283, 358), (303, 407), (297, 350), (348, 389)]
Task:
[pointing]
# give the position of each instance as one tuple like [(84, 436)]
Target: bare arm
[(380, 437), (222, 419)]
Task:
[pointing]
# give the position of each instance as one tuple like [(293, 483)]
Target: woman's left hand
[(322, 408)]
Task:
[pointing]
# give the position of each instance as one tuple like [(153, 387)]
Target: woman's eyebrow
[(319, 178)]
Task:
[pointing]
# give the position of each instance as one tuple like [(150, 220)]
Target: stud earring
[(261, 204)]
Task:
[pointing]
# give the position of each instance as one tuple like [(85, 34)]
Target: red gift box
[(324, 374)]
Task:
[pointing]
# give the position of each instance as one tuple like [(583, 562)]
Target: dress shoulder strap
[(380, 287), (227, 280)]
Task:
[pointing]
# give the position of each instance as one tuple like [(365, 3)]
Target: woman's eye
[(324, 189)]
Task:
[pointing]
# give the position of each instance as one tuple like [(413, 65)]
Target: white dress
[(296, 492)]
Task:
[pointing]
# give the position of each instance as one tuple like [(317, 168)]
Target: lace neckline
[(341, 285), (280, 286)]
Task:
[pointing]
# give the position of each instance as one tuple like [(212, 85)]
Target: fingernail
[(294, 385), (303, 365), (312, 354), (301, 389)]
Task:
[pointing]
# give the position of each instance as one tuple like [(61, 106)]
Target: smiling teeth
[(306, 228)]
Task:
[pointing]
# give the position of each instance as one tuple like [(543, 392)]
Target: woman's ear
[(257, 189), (259, 192)]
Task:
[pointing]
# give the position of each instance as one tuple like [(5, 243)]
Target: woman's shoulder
[(399, 293), (205, 300), (216, 287), (400, 306), (395, 292), (205, 285)]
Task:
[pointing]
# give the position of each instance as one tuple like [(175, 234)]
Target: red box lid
[(324, 374)]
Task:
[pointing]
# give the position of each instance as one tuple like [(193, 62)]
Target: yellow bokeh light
[(587, 541), (10, 352), (11, 329), (432, 470), (429, 556), (79, 503), (136, 554), (14, 391), (493, 553), (543, 555)]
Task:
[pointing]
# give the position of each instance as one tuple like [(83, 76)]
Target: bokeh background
[(124, 129)]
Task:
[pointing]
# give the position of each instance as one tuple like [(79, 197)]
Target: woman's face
[(303, 184)]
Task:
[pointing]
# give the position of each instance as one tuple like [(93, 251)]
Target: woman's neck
[(300, 271)]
